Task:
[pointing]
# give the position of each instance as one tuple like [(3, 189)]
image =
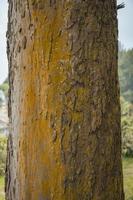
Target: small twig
[(122, 5)]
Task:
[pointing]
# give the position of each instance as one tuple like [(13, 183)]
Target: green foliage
[(3, 144), (126, 74), (126, 86), (128, 178), (4, 87), (127, 127), (2, 193), (1, 102)]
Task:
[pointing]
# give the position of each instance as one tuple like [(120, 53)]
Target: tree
[(64, 108)]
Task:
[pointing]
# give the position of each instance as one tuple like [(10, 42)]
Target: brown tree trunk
[(65, 141)]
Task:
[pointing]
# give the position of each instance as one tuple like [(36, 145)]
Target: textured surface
[(65, 140)]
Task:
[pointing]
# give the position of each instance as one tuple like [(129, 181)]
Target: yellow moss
[(38, 103)]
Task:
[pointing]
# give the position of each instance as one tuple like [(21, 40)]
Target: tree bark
[(64, 108)]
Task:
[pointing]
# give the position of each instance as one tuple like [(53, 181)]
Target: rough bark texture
[(64, 108)]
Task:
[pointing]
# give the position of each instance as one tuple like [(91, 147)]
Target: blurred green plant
[(126, 88), (4, 87), (3, 146), (127, 127), (126, 74), (128, 177)]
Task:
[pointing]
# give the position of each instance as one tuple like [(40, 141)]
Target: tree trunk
[(64, 109)]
